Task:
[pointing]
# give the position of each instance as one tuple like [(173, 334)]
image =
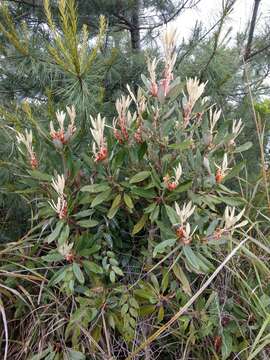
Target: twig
[(2, 310), (106, 335)]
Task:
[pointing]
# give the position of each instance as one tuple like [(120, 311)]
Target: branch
[(199, 40), (226, 11), (252, 29), (254, 53), (177, 12), (32, 3), (165, 19)]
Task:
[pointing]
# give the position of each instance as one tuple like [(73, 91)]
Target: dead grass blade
[(153, 337)]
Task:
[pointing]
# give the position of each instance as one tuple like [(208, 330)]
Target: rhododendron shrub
[(129, 228)]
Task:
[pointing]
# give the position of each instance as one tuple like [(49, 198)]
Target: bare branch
[(251, 29)]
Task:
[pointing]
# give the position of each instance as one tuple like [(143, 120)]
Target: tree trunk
[(135, 27)]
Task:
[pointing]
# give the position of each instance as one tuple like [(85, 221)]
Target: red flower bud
[(217, 343), (118, 136), (63, 210), (102, 154), (154, 89), (219, 176), (138, 136), (34, 162), (171, 186), (69, 257)]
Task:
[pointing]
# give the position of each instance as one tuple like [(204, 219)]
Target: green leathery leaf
[(181, 146), (145, 294), (89, 251), (147, 310), (38, 175), (191, 257), (78, 272), (112, 276), (75, 355), (63, 237), (55, 232), (179, 273), (183, 187), (235, 171), (87, 223), (124, 310), (100, 198), (58, 276), (52, 256), (117, 270), (92, 267), (145, 81), (165, 280), (42, 354), (133, 312), (115, 206), (155, 178), (95, 188), (227, 345), (140, 177), (140, 224), (145, 193), (142, 150), (83, 213), (160, 315), (128, 201), (232, 201), (194, 260), (172, 215), (160, 248), (155, 213), (150, 208), (244, 147)]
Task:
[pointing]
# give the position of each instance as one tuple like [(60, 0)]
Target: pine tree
[(43, 66)]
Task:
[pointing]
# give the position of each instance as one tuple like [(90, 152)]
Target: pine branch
[(257, 52), (226, 11), (33, 3)]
